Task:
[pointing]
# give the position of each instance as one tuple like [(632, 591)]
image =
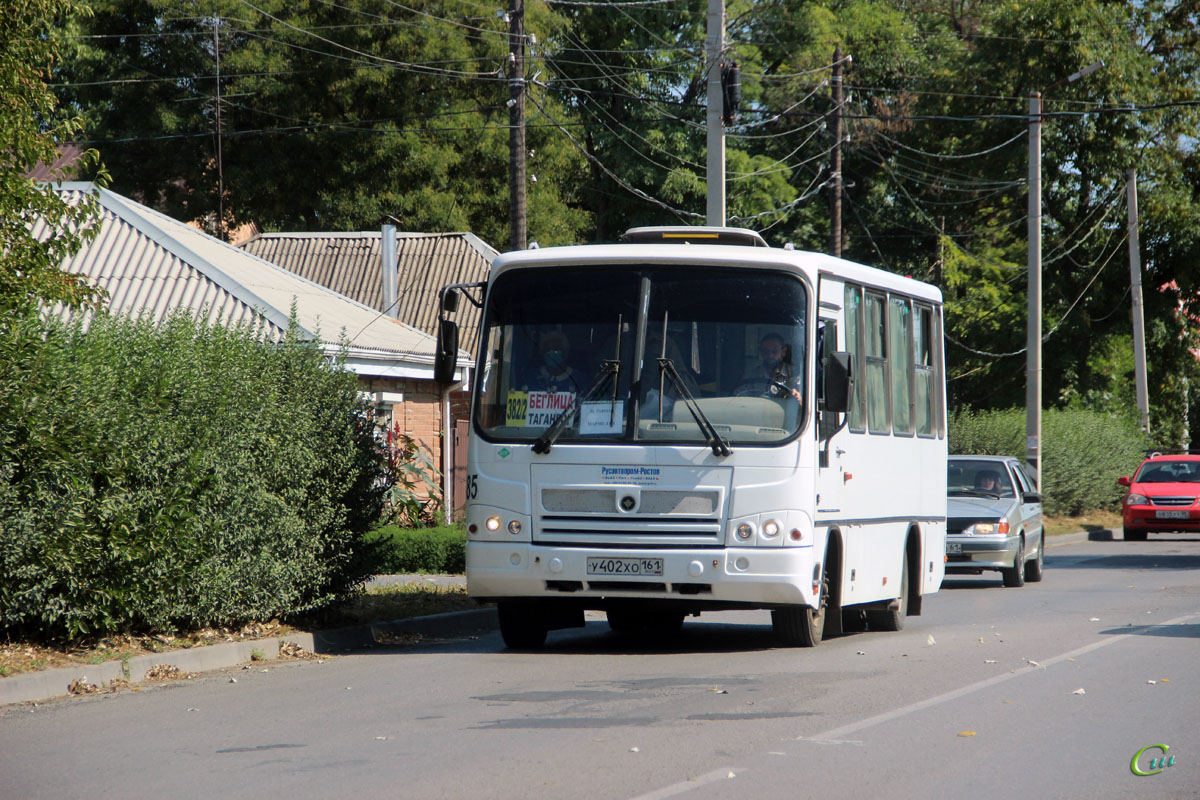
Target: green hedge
[(1083, 452), (178, 476), (435, 550)]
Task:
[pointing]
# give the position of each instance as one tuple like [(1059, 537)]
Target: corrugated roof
[(152, 264), (350, 263)]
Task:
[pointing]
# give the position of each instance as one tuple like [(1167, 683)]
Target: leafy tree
[(333, 116), (37, 228)]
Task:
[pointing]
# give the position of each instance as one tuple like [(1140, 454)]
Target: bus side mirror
[(447, 351), (838, 383), (450, 300)]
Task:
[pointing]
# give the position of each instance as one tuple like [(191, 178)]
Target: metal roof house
[(151, 264), (352, 264)]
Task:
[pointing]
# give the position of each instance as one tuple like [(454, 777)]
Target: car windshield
[(649, 354), (1169, 472), (988, 478)]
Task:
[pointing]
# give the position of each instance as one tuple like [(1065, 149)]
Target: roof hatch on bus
[(694, 234)]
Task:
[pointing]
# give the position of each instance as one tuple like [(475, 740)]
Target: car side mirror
[(838, 383), (447, 352), (1032, 497), (1123, 480)]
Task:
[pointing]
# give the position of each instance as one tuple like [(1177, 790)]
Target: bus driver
[(773, 376)]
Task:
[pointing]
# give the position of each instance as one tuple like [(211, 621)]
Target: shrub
[(177, 476), (1083, 452), (437, 550)]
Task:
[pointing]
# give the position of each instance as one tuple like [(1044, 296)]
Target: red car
[(1164, 495)]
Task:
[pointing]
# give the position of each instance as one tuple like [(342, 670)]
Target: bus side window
[(853, 320), (876, 357), (900, 336), (924, 392)]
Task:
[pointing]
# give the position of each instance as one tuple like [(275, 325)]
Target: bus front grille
[(628, 532)]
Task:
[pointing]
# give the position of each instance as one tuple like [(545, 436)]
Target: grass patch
[(398, 602), (1091, 521)]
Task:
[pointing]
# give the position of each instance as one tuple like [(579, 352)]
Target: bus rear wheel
[(892, 617), (522, 625)]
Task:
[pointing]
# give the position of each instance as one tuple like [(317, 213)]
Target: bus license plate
[(1181, 514), (625, 566), (953, 548)]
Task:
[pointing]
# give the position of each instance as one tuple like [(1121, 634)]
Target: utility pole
[(835, 164), (714, 47), (1033, 340), (516, 123), (220, 226), (1135, 279)]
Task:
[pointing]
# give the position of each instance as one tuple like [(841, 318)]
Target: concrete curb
[(99, 677)]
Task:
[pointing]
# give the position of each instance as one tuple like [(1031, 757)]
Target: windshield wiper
[(719, 445), (609, 371)]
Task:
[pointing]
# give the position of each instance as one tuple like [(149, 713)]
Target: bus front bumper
[(761, 577)]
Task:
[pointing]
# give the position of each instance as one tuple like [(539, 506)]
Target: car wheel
[(892, 618), (1033, 569), (1133, 536), (1014, 576), (522, 625)]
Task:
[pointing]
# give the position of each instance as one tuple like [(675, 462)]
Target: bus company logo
[(1158, 760)]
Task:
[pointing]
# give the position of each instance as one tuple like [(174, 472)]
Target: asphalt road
[(978, 698)]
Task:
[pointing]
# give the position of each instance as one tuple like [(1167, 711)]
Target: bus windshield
[(654, 355)]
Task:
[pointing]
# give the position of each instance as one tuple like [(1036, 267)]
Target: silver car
[(993, 519)]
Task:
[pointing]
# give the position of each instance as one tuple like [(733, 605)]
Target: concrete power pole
[(835, 163), (516, 122), (1135, 279), (714, 47), (1033, 342)]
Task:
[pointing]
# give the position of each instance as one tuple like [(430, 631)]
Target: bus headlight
[(492, 523), (745, 531), (770, 528), (514, 527)]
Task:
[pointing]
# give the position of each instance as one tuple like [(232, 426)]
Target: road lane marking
[(837, 736), (840, 734), (721, 774)]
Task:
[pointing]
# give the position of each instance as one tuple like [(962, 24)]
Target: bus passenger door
[(832, 469)]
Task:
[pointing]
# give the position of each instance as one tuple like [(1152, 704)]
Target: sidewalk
[(95, 678)]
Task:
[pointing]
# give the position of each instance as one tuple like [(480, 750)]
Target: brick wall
[(419, 415)]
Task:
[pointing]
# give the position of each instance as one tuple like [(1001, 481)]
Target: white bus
[(692, 421)]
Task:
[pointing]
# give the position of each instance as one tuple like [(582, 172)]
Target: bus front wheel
[(803, 626)]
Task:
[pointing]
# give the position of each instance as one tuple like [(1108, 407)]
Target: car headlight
[(1137, 500), (988, 528)]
